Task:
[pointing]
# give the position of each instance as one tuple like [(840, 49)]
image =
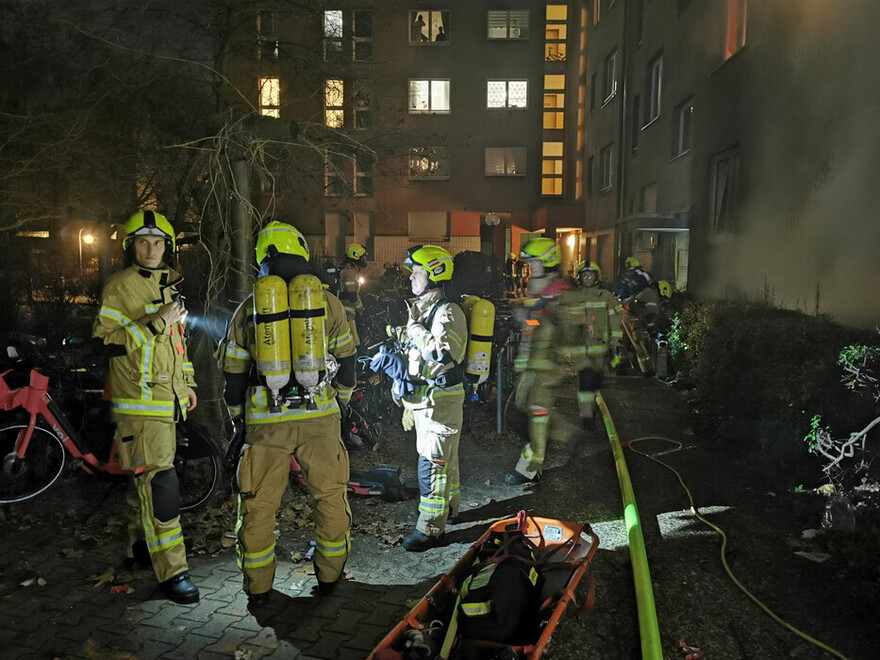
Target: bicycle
[(35, 444)]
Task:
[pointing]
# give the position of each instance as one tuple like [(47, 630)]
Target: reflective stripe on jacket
[(240, 347), (150, 367)]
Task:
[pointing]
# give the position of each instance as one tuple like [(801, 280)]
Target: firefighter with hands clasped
[(593, 323), (428, 382), (289, 365), (539, 361), (141, 321)]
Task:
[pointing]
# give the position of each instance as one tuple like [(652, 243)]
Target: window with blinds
[(508, 24), (505, 161)]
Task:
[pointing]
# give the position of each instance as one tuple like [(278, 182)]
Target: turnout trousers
[(146, 450), (263, 474), (537, 400), (438, 432)]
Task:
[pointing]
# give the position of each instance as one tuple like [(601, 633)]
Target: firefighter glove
[(408, 420)]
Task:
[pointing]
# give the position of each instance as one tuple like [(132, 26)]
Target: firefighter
[(308, 428), (539, 357), (641, 312), (350, 281), (434, 339), (634, 279), (141, 321), (600, 331)]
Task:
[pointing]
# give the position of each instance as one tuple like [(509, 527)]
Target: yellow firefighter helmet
[(433, 258), (281, 238), (544, 250)]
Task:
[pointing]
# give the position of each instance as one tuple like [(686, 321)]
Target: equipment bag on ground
[(501, 597)]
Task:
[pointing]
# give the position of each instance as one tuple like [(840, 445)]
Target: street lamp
[(88, 239)]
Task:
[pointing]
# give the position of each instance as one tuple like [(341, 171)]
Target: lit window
[(682, 130), (335, 182), (428, 163), (505, 161), (554, 115), (363, 176), (427, 28), (551, 169), (736, 27), (555, 33), (334, 94), (654, 88), (597, 11), (363, 106), (428, 96), (723, 200), (554, 82), (362, 36), (579, 179), (332, 34), (270, 97), (610, 76), (267, 35), (507, 93), (508, 24), (606, 162)]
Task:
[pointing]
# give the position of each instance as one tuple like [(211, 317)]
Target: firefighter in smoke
[(595, 318), (350, 280), (434, 342), (641, 313), (282, 385), (141, 321), (539, 359)]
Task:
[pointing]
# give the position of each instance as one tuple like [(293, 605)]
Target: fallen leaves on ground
[(106, 577)]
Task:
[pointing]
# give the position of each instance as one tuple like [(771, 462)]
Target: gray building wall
[(795, 107)]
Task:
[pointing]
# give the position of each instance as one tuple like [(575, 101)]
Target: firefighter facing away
[(290, 401), (594, 327), (141, 321), (434, 343), (539, 358)]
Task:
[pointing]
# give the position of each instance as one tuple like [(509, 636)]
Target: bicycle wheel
[(197, 462), (21, 479)]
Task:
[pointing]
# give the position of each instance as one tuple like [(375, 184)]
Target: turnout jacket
[(150, 371), (237, 358), (435, 350)]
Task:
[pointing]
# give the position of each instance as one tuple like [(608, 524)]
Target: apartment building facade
[(727, 142), (460, 124)]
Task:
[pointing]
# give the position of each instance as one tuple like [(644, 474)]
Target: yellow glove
[(408, 420)]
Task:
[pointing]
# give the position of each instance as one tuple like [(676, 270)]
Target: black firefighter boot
[(181, 590), (140, 557)]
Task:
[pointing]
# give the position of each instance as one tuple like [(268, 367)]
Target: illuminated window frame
[(334, 98), (270, 97), (432, 84), (428, 163), (506, 92), (512, 161), (508, 24), (552, 169), (556, 33), (332, 30), (735, 34)]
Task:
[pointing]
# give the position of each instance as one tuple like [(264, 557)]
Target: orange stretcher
[(563, 552)]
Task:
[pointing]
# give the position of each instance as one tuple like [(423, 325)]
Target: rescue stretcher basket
[(563, 552)]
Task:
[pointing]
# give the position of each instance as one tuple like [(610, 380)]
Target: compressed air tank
[(307, 336), (272, 333), (481, 327)]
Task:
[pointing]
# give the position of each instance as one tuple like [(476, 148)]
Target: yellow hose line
[(718, 530), (649, 630)]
